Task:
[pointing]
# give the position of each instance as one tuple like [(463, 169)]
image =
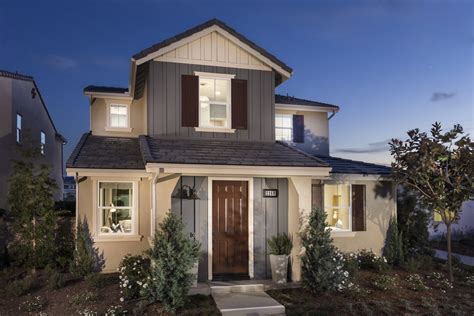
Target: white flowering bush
[(323, 266), (385, 282), (116, 310), (368, 260), (33, 304), (415, 283), (134, 273), (440, 281)]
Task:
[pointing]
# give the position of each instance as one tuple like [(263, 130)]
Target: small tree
[(439, 168), (393, 249), (31, 202), (87, 259), (322, 265), (173, 254)]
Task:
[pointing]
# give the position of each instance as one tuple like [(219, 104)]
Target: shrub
[(56, 281), (134, 274), (87, 259), (87, 312), (21, 286), (415, 283), (368, 260), (351, 263), (322, 264), (416, 263), (385, 282), (281, 244), (393, 249), (83, 298), (33, 304), (173, 254), (440, 281)]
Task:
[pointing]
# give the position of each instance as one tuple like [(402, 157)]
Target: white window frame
[(284, 128), (19, 129), (214, 76), (133, 207), (109, 126), (349, 208), (43, 143)]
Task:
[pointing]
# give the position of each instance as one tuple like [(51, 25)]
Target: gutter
[(332, 115)]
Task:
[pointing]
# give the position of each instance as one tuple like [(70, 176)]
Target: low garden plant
[(33, 304), (134, 276), (21, 286), (116, 310), (56, 280), (84, 298), (385, 282), (368, 260), (415, 283)]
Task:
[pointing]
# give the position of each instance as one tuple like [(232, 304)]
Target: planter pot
[(194, 272), (279, 264)]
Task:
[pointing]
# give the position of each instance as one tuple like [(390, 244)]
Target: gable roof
[(347, 166), (285, 99), (18, 76), (213, 22)]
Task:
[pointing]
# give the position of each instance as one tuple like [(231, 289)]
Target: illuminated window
[(214, 100), (337, 204), (284, 127), (116, 207)]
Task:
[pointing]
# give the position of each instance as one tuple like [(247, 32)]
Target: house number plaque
[(270, 193)]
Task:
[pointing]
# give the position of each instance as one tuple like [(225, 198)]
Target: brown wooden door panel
[(230, 227)]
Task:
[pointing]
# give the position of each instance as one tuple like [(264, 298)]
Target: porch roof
[(347, 166), (225, 152)]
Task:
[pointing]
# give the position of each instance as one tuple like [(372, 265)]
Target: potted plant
[(280, 248)]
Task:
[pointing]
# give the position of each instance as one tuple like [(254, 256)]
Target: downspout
[(153, 204), (331, 116), (77, 198)]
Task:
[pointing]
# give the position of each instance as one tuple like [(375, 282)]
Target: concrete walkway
[(237, 300), (441, 254)]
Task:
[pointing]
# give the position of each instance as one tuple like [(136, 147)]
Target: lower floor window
[(116, 207), (337, 204)]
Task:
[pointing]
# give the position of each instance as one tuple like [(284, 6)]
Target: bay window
[(116, 207)]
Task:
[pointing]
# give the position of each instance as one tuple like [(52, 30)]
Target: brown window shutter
[(358, 207), (298, 128), (239, 103), (189, 101)]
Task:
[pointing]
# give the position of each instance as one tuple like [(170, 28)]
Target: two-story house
[(199, 131), (25, 121)]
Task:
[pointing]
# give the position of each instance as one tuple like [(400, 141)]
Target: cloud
[(61, 62), (376, 147), (440, 96)]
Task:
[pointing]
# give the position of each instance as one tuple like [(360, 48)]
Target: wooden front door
[(230, 242)]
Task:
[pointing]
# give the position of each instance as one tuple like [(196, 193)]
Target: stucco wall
[(138, 119), (115, 249), (316, 131)]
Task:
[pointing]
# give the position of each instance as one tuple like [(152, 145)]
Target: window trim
[(134, 213), (42, 145), (109, 127), (290, 116), (19, 134), (216, 129), (338, 230)]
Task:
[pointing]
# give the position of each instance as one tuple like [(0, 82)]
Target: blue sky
[(390, 65)]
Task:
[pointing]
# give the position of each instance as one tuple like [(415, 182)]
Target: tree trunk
[(450, 262)]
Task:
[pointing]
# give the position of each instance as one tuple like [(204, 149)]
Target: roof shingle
[(347, 166), (285, 99)]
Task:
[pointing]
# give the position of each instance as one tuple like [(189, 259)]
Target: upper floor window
[(116, 207), (118, 116), (215, 100), (284, 127), (19, 119), (43, 143)]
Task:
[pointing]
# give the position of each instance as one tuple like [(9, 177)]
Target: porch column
[(299, 200)]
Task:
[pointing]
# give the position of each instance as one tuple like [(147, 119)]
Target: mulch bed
[(369, 300), (64, 301)]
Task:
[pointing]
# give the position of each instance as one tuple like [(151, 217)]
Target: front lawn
[(79, 297), (392, 293)]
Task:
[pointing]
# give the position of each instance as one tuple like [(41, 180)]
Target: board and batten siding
[(271, 214), (270, 218), (164, 102)]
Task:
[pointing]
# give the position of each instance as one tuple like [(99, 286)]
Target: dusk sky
[(390, 65)]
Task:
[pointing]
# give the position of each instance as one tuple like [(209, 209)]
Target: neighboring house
[(24, 119), (69, 189), (464, 224), (200, 132)]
